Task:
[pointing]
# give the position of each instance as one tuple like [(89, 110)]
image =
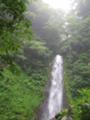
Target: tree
[(11, 12), (15, 28), (83, 8)]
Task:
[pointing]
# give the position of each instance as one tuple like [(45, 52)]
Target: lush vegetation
[(23, 66), (70, 36), (76, 50), (26, 51)]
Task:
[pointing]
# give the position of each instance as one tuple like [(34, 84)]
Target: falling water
[(53, 104), (56, 90)]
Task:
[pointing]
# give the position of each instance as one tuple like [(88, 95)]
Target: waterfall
[(56, 90), (54, 101)]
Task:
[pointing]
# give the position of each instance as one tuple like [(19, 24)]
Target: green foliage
[(19, 95), (15, 29), (11, 43), (40, 46), (81, 105), (76, 49), (11, 12), (85, 114), (21, 89), (62, 114)]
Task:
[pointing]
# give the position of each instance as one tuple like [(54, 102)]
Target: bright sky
[(64, 5)]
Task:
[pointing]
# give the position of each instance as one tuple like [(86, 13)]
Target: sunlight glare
[(64, 5)]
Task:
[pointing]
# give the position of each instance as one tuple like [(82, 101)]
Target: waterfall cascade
[(54, 102), (56, 90)]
